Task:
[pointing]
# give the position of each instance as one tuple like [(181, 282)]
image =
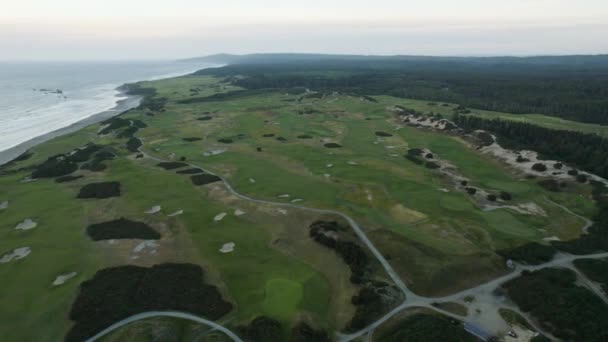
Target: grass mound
[(204, 179), (332, 145), (282, 297), (119, 292), (191, 171), (192, 139), (100, 190), (122, 229), (67, 178), (171, 165)]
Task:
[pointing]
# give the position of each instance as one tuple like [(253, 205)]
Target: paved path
[(175, 314)]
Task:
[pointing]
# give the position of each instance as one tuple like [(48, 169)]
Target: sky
[(173, 29)]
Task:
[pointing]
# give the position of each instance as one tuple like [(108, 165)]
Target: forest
[(574, 87)]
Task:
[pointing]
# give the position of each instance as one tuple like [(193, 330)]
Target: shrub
[(521, 159), (191, 171), (432, 165), (304, 136), (491, 197), (429, 156), (204, 178), (416, 152), (133, 144), (505, 196), (68, 178), (56, 166), (581, 178), (171, 165), (332, 145), (573, 172), (304, 333), (100, 190), (383, 134), (471, 191), (558, 166), (262, 329), (122, 229), (540, 167), (225, 140), (550, 185), (191, 139)]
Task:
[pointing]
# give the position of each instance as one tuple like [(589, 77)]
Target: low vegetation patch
[(171, 165), (55, 166), (119, 292), (100, 190), (304, 136), (332, 145), (204, 178), (531, 253), (122, 228), (68, 178), (426, 327), (192, 139), (383, 134), (191, 171), (225, 141)]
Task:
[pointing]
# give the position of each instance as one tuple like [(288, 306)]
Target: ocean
[(39, 98)]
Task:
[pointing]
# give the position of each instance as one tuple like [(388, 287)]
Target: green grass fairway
[(282, 298)]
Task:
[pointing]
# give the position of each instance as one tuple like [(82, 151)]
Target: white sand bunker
[(179, 212), (327, 175), (329, 165), (15, 254), (3, 205), (296, 200), (352, 163), (61, 279), (219, 217), (153, 210), (228, 247), (551, 238), (282, 211), (239, 212), (213, 152), (283, 196), (27, 224), (251, 180), (148, 244)]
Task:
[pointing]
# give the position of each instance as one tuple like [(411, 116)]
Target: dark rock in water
[(383, 134), (122, 229), (226, 141), (192, 171), (304, 136), (205, 178), (192, 139), (68, 178), (100, 190), (332, 145), (269, 135), (171, 165)]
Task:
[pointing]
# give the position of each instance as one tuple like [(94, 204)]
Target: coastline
[(131, 101)]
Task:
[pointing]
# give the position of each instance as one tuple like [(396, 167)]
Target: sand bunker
[(296, 200), (219, 217), (282, 211), (179, 212), (3, 205), (251, 180), (352, 163), (61, 279), (283, 196), (228, 247), (329, 165), (27, 224), (214, 152), (155, 209), (15, 254), (148, 244), (239, 212)]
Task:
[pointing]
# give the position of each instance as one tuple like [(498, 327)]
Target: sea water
[(38, 98)]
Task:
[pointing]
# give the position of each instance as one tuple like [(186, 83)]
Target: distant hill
[(283, 58)]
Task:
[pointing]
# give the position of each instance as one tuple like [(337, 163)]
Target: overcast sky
[(161, 29)]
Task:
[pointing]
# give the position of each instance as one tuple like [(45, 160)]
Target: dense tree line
[(119, 292), (572, 90), (426, 327), (586, 151), (568, 311)]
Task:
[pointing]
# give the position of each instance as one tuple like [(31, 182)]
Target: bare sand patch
[(219, 217), (227, 247), (62, 278), (3, 205), (176, 213), (27, 224), (15, 254), (155, 209), (239, 212)]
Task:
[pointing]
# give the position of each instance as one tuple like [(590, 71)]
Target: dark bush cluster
[(352, 254), (262, 329), (426, 327), (68, 178), (171, 165), (383, 134), (55, 166), (540, 167), (304, 136), (204, 178), (303, 332), (191, 139), (192, 171), (100, 190), (122, 228), (332, 145), (119, 292)]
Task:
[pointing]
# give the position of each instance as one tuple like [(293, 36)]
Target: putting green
[(282, 297)]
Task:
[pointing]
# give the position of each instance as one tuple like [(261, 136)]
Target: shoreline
[(130, 102)]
